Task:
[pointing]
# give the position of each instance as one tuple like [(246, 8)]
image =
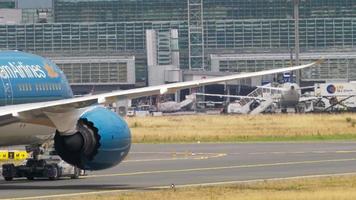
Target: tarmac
[(155, 166)]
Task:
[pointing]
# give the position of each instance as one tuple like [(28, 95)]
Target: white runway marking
[(223, 167)]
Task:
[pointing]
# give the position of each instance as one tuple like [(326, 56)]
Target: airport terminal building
[(123, 43)]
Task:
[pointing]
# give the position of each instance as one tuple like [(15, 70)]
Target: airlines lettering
[(20, 70)]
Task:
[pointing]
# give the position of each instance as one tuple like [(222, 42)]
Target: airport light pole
[(296, 38)]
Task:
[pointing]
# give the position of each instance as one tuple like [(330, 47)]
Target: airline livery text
[(20, 70)]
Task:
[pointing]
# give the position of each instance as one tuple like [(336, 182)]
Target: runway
[(150, 166)]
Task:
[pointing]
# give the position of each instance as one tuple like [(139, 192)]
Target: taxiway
[(151, 166)]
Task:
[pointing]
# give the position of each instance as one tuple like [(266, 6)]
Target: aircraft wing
[(304, 99), (59, 106), (230, 96), (273, 88)]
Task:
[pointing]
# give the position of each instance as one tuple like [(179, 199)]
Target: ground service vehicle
[(49, 166)]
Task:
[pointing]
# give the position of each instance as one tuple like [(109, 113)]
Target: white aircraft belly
[(24, 133)]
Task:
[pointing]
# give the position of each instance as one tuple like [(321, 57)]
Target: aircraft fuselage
[(28, 78), (290, 97)]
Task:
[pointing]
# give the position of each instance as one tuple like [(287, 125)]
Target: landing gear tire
[(300, 108), (30, 178), (254, 105), (52, 172), (76, 173), (8, 172)]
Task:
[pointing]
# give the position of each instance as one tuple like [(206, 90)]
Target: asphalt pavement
[(152, 166)]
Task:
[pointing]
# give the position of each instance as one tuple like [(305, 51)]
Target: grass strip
[(326, 188), (243, 128)]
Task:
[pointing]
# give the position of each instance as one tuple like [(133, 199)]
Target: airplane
[(37, 102), (286, 95), (290, 95)]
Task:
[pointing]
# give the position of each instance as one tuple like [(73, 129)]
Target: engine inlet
[(80, 147)]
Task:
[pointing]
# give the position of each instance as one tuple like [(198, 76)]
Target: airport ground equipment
[(335, 96), (172, 106), (130, 112), (256, 102), (41, 165)]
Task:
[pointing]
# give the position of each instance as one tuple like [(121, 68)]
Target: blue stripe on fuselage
[(28, 78)]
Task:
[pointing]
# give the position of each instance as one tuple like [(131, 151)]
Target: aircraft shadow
[(73, 187), (19, 185)]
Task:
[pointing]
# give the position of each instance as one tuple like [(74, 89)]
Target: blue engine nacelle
[(102, 140)]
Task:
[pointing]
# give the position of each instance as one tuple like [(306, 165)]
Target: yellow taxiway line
[(181, 156)]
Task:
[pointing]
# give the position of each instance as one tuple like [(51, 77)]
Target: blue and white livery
[(37, 101)]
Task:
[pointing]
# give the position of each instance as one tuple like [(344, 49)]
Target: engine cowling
[(102, 140)]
